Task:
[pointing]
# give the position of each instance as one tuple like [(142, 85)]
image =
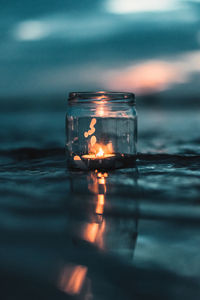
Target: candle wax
[(93, 156)]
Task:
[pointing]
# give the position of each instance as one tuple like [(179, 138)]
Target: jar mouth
[(119, 97)]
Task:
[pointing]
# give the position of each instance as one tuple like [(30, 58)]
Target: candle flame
[(99, 150), (100, 153), (96, 149)]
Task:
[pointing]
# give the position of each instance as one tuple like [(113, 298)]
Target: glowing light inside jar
[(96, 150), (100, 153), (101, 131)]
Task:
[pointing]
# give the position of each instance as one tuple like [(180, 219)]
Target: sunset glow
[(145, 77)]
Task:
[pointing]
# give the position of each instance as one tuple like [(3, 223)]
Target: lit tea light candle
[(95, 160), (99, 155)]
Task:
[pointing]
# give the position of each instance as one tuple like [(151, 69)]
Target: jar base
[(117, 161)]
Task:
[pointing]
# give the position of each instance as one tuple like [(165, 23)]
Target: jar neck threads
[(103, 96)]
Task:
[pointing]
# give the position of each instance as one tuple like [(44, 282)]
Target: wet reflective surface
[(125, 234)]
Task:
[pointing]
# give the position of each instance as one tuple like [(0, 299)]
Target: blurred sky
[(51, 47)]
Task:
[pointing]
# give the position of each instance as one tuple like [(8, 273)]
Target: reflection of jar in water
[(101, 129), (105, 211)]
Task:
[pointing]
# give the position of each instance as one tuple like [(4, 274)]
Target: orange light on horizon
[(147, 76)]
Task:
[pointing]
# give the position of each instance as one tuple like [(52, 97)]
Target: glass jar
[(101, 130)]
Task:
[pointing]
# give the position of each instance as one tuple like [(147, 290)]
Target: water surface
[(127, 234)]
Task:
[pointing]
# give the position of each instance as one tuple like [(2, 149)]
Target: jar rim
[(102, 96)]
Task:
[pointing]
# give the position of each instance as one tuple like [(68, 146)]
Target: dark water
[(128, 234)]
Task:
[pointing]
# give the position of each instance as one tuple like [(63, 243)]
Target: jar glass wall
[(101, 130)]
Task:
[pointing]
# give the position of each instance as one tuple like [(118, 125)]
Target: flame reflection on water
[(93, 232), (72, 278)]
